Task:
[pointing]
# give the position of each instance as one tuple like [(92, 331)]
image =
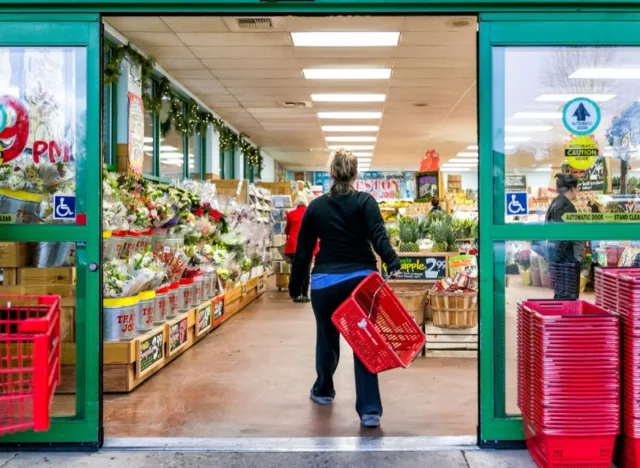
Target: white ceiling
[(243, 76)]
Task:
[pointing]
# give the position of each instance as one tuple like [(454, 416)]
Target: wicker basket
[(413, 300), (454, 310)]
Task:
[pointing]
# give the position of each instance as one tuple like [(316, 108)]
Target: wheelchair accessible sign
[(64, 207), (517, 203)]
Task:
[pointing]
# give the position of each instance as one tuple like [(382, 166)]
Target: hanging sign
[(581, 116), (427, 185), (515, 182), (581, 152), (136, 133), (420, 268)]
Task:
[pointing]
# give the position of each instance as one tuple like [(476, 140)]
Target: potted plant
[(523, 260)]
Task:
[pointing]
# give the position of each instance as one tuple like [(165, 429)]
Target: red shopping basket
[(377, 327), (29, 361)]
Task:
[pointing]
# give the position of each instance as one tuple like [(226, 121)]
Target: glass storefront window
[(147, 165), (537, 270), (171, 150), (42, 133), (191, 158), (567, 110)]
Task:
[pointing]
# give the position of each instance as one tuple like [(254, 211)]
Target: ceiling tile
[(182, 64), (243, 53), (159, 53), (197, 24), (236, 39), (258, 74), (253, 64), (154, 39), (127, 24), (187, 74)]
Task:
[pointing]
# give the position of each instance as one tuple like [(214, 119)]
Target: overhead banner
[(136, 133), (382, 185)]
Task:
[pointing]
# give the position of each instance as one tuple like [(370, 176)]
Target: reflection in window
[(547, 270), (171, 149), (148, 144), (191, 158), (569, 110)]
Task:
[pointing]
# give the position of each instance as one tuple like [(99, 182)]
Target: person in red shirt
[(294, 223)]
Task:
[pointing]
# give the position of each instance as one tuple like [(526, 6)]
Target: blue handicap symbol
[(517, 203), (64, 207)]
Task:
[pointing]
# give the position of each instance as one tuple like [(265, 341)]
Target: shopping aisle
[(251, 378)]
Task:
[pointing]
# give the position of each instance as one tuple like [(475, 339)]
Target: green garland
[(184, 122)]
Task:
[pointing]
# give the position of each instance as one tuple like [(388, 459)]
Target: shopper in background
[(292, 230), (566, 255), (348, 223), (435, 205)]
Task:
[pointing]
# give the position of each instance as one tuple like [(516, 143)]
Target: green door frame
[(72, 30), (519, 30)]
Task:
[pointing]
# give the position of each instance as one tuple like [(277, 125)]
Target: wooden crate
[(9, 276), (14, 254), (445, 342), (277, 188), (46, 276), (68, 324), (66, 292), (229, 188)]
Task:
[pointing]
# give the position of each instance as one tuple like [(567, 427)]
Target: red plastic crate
[(29, 361), (389, 338)]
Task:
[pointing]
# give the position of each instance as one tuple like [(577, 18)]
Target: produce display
[(180, 237)]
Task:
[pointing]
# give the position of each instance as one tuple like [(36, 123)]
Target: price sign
[(218, 307), (178, 336), (420, 268), (427, 185), (203, 319), (150, 353)]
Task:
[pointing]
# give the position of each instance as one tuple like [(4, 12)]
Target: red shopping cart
[(29, 361), (377, 327)]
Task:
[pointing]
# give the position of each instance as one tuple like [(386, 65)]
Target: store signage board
[(517, 203), (178, 336), (150, 353), (420, 268), (382, 185), (515, 182), (427, 185), (601, 217), (581, 116), (136, 133), (203, 319)]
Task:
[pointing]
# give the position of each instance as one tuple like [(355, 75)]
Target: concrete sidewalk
[(109, 459)]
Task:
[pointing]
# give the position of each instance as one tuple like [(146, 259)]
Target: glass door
[(559, 172), (50, 209)]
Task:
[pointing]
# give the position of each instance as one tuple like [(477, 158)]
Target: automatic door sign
[(517, 203), (581, 116), (581, 152), (64, 207)]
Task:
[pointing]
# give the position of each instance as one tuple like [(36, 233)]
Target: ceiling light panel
[(347, 73), (607, 73), (569, 97), (352, 139), (363, 154), (350, 115), (473, 147), (468, 154), (348, 97), (537, 115), (350, 128), (527, 128), (516, 139), (345, 39), (351, 147)]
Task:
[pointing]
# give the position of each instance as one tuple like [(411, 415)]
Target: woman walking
[(292, 230), (348, 224)]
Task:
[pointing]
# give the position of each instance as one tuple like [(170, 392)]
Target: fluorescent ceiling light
[(147, 148), (466, 154), (473, 147), (544, 169), (350, 128), (464, 160), (351, 147), (148, 139), (513, 139), (607, 73), (347, 73), (363, 154), (349, 115), (455, 169), (353, 139), (364, 160), (468, 165), (569, 97), (168, 148), (345, 39), (537, 115), (527, 128), (348, 97), (171, 155), (509, 147)]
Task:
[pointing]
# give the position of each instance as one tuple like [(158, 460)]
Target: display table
[(127, 364)]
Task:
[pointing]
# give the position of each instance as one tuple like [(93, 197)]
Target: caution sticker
[(581, 152)]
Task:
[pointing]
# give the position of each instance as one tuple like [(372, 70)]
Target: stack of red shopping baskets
[(606, 285), (29, 361), (569, 373), (629, 310)]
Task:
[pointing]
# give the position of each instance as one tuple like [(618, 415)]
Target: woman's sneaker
[(321, 400), (370, 421)]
